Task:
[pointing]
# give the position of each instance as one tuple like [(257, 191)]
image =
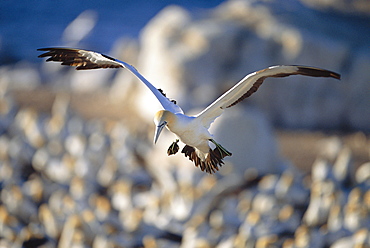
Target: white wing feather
[(165, 102), (84, 60), (250, 83)]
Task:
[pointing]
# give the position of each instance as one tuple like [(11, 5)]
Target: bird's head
[(161, 119)]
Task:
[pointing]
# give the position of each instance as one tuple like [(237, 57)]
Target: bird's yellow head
[(161, 119)]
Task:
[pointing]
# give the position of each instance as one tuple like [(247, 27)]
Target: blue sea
[(30, 24), (27, 25)]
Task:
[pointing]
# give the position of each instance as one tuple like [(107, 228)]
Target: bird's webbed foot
[(220, 150), (174, 148)]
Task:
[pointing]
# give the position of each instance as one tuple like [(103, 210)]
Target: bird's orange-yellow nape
[(161, 119)]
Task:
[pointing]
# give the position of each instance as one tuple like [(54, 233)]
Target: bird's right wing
[(250, 83), (85, 60)]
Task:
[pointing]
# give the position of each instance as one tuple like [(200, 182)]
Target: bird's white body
[(191, 130)]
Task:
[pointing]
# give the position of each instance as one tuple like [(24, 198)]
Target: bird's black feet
[(174, 148), (220, 150)]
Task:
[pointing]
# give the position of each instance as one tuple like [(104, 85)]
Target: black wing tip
[(335, 75), (55, 48), (50, 51), (46, 48), (317, 72)]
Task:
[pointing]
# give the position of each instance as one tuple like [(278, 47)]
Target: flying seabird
[(191, 130)]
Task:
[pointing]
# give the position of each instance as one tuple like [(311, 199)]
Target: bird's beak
[(158, 131)]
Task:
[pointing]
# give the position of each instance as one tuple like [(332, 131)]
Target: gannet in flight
[(191, 130)]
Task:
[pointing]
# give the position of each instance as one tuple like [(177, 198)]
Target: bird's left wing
[(250, 83), (85, 60)]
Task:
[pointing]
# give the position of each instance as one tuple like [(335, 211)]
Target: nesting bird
[(191, 130)]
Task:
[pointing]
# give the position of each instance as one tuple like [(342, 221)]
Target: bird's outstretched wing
[(250, 83), (85, 60)]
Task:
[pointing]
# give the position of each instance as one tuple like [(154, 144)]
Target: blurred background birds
[(75, 172)]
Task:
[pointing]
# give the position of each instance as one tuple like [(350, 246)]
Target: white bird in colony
[(191, 130)]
